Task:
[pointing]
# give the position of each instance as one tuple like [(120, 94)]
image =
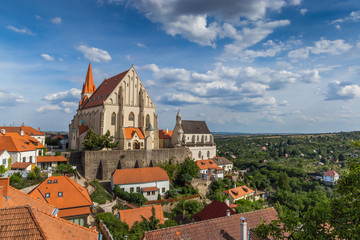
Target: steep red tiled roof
[(27, 130), (139, 175), (14, 142), (51, 159), (130, 216), (330, 173), (58, 136), (73, 195), (83, 129), (89, 86), (74, 211), (217, 228), (207, 164), (149, 189), (103, 91), (239, 191), (2, 151), (20, 165), (130, 131), (165, 135), (215, 209)]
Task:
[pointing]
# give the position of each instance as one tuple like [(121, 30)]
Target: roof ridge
[(71, 181), (66, 221), (32, 197)]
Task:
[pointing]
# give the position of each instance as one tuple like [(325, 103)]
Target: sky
[(249, 66)]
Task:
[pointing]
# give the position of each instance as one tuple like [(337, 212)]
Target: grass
[(100, 195)]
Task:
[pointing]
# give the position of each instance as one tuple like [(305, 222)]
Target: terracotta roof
[(221, 161), (330, 173), (130, 216), (196, 127), (130, 132), (139, 175), (19, 223), (216, 228), (2, 151), (165, 135), (12, 197), (58, 136), (215, 209), (83, 129), (149, 189), (27, 130), (73, 195), (51, 159), (239, 191), (74, 211), (207, 164), (25, 222), (104, 90), (89, 86), (14, 142), (21, 165)]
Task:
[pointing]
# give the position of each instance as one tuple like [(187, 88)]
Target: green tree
[(32, 176), (64, 168), (2, 169), (108, 141), (94, 142), (188, 171), (190, 207)]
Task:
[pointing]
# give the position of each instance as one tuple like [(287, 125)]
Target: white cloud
[(353, 16), (141, 45), (47, 57), (10, 99), (303, 11), (309, 76), (94, 54), (38, 17), (342, 91), (65, 101), (337, 26), (20, 30), (68, 96), (323, 46), (56, 20), (47, 108)]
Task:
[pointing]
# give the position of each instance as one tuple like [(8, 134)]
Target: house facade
[(242, 192), (194, 135), (4, 158), (224, 163), (49, 162), (119, 103), (37, 134), (331, 177), (150, 181), (208, 169)]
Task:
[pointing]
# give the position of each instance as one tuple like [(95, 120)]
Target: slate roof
[(222, 161), (51, 159), (130, 216), (217, 228), (104, 90), (194, 127), (139, 175), (215, 209)]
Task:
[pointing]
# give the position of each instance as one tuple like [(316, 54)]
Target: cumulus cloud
[(56, 20), (70, 95), (94, 54), (20, 30), (303, 11), (342, 91), (353, 16), (323, 46), (65, 101), (47, 57), (8, 99), (141, 45)]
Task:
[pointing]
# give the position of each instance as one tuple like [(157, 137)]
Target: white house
[(242, 192), (209, 169), (149, 181), (224, 163), (330, 177), (37, 134), (4, 158)]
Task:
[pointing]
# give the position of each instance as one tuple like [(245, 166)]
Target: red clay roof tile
[(130, 216), (215, 209), (139, 175), (51, 159), (130, 132)]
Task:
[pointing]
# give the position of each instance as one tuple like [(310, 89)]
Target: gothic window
[(113, 118), (199, 154), (132, 119), (147, 122), (205, 138), (208, 154), (197, 138)]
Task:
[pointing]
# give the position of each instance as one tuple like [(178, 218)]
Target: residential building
[(23, 166), (208, 169), (215, 209), (120, 105), (46, 162), (237, 226), (37, 134), (242, 192), (149, 181), (72, 200), (194, 135), (331, 177), (4, 158), (165, 138), (63, 140), (130, 216), (224, 163)]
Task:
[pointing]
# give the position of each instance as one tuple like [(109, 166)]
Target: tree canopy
[(94, 142)]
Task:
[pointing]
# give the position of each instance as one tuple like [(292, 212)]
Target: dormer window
[(60, 194), (47, 195), (49, 181), (55, 181)]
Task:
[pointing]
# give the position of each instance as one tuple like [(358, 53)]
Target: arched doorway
[(136, 145)]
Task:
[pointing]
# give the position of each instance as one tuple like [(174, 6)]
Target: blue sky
[(242, 65)]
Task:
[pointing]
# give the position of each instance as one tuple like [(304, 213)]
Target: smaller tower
[(178, 118), (89, 86)]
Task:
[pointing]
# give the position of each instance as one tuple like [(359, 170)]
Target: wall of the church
[(203, 152)]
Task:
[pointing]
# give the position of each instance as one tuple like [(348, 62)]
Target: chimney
[(4, 184), (21, 131), (167, 130), (227, 201), (3, 131), (243, 228), (39, 129), (234, 185), (228, 212), (49, 173)]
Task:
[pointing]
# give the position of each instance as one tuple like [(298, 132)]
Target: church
[(121, 105)]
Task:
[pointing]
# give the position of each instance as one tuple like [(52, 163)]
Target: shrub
[(100, 195), (32, 176), (137, 198), (58, 153), (16, 178), (2, 169)]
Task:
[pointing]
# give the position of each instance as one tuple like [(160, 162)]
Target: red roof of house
[(58, 136), (165, 134), (83, 129), (2, 151), (27, 130), (89, 86), (215, 209), (207, 164), (73, 195), (130, 216), (239, 191), (149, 189), (103, 91), (330, 173), (139, 175), (21, 165), (14, 142), (130, 132), (51, 159), (216, 228)]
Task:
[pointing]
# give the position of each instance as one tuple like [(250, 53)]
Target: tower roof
[(89, 86)]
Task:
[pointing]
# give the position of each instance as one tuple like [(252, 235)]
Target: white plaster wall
[(159, 184), (5, 155), (18, 156), (195, 152)]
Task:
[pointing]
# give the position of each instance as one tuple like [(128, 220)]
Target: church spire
[(89, 86)]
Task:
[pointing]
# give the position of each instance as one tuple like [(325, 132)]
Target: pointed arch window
[(113, 118), (147, 122), (132, 119)]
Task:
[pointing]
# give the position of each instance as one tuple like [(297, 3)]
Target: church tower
[(89, 86)]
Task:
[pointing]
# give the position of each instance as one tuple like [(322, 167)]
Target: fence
[(171, 200)]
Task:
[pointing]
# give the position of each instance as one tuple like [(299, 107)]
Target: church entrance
[(136, 145)]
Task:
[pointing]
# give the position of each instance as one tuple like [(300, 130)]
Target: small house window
[(197, 139), (55, 181), (60, 194), (122, 189), (208, 154), (153, 192), (163, 190), (131, 189), (49, 181), (47, 195), (137, 189), (148, 194)]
